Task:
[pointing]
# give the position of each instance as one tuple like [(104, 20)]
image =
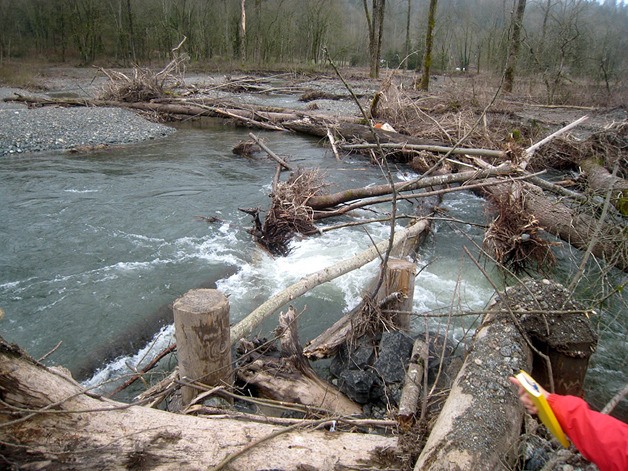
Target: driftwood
[(331, 200), (406, 147), (602, 181), (48, 421), (289, 377), (480, 422), (411, 392)]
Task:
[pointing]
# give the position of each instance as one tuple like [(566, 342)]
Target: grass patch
[(21, 75)]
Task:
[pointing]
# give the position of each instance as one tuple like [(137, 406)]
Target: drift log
[(289, 377), (601, 181), (411, 392), (47, 421), (331, 200), (480, 422), (201, 322)]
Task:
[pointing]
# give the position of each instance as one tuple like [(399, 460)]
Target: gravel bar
[(48, 128)]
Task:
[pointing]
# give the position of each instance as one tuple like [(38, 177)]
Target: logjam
[(288, 376), (48, 421), (246, 325)]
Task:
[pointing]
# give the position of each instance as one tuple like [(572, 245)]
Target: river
[(97, 246)]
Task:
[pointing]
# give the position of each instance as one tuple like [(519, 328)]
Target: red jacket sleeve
[(600, 438)]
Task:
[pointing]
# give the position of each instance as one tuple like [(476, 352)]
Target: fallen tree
[(47, 420)]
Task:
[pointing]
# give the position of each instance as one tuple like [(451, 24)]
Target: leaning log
[(481, 420), (48, 421)]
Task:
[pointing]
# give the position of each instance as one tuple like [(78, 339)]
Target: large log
[(480, 422), (602, 181), (330, 200), (47, 421)]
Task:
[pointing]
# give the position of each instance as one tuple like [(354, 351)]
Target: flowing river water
[(96, 247)]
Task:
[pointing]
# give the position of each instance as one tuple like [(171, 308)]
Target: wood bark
[(48, 421), (514, 45), (289, 377), (331, 200), (411, 392), (399, 280), (429, 40), (480, 423), (602, 181)]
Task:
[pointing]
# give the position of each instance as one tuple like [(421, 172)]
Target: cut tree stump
[(201, 322)]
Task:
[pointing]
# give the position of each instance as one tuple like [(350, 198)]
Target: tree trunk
[(331, 200), (242, 31), (375, 23), (602, 181), (429, 41), (48, 421), (480, 422), (515, 44)]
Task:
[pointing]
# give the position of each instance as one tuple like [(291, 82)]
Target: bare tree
[(429, 41), (243, 30), (375, 22), (514, 46)]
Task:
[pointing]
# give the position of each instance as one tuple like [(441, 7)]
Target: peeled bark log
[(411, 392), (47, 421), (328, 201)]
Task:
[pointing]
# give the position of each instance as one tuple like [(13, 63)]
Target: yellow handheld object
[(545, 411)]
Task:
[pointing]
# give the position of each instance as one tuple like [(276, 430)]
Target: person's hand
[(524, 398)]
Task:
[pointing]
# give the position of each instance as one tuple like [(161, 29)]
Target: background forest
[(562, 40)]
